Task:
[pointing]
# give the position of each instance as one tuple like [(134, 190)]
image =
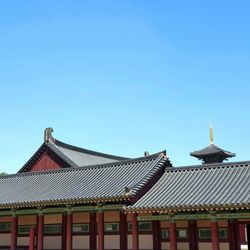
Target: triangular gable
[(46, 162), (45, 158)]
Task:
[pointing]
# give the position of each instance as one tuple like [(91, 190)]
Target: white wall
[(4, 239), (81, 242), (23, 241), (111, 242), (52, 242)]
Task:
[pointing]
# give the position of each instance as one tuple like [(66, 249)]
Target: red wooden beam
[(237, 233), (173, 239), (69, 231), (135, 236), (93, 231), (100, 230), (248, 236), (193, 235), (215, 236), (32, 239), (64, 231), (13, 240), (232, 235), (40, 221), (242, 228), (156, 227), (123, 231)]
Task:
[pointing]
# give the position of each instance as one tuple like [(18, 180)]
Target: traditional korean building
[(66, 197)]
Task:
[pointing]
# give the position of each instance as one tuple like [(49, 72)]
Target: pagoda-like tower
[(212, 153)]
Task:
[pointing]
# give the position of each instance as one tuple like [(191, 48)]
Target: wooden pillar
[(135, 236), (193, 235), (93, 231), (242, 229), (32, 239), (156, 227), (100, 226), (69, 230), (123, 231), (40, 222), (13, 239), (248, 236), (232, 235), (237, 233), (64, 230), (215, 235), (172, 236)]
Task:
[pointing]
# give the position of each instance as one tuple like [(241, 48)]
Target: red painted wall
[(44, 163)]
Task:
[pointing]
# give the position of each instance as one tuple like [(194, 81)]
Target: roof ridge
[(83, 150), (210, 166), (151, 172), (128, 160), (112, 164)]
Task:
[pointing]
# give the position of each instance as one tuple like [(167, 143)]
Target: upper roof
[(207, 186), (83, 157), (89, 184), (72, 156)]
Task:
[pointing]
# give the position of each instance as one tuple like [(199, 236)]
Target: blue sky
[(123, 77)]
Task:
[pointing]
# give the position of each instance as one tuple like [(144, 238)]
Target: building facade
[(66, 197)]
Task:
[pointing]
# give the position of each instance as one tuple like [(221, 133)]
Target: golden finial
[(211, 135)]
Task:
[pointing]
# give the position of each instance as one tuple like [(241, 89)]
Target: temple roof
[(83, 157), (71, 155), (89, 184), (204, 186)]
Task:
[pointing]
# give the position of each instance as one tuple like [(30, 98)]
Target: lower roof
[(208, 186), (107, 182)]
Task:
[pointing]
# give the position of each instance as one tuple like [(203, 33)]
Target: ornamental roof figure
[(212, 153)]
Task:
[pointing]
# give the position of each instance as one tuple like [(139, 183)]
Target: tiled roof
[(84, 157), (212, 154), (107, 182), (73, 156), (211, 149), (206, 186)]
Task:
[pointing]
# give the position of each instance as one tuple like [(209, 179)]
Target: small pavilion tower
[(212, 153)]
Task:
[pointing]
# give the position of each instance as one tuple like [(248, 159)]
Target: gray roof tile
[(212, 185), (84, 157), (85, 184)]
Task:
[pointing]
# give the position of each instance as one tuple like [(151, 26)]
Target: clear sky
[(123, 77)]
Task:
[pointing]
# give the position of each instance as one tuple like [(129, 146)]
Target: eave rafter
[(71, 202), (56, 210), (175, 210), (195, 216)]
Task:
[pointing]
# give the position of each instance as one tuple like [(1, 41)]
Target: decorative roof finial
[(211, 135), (48, 135)]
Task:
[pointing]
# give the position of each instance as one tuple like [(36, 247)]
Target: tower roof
[(212, 153)]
